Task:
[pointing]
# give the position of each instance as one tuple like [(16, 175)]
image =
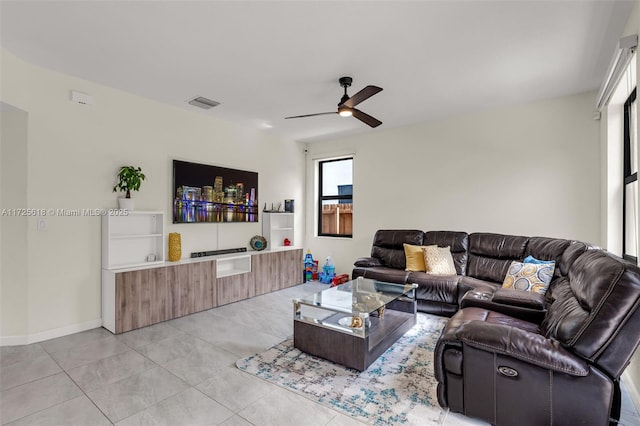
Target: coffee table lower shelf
[(349, 349)]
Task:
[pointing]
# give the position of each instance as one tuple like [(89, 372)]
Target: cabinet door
[(277, 270), (234, 287), (178, 284), (290, 272), (202, 276), (192, 287), (141, 299), (133, 299), (265, 272), (160, 295)]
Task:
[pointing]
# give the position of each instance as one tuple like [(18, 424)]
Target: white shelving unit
[(233, 265), (129, 240), (276, 227)]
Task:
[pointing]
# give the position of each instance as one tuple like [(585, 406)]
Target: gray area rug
[(398, 388)]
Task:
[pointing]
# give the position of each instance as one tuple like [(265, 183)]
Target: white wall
[(13, 228), (529, 170), (73, 154)]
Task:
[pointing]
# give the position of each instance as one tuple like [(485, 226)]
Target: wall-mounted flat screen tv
[(204, 194)]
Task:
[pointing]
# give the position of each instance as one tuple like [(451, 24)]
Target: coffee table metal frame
[(387, 312)]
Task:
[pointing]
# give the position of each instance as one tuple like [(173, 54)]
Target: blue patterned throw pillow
[(534, 277)]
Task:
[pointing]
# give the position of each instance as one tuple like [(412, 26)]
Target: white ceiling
[(265, 60)]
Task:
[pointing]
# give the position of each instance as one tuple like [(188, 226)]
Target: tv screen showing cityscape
[(211, 194)]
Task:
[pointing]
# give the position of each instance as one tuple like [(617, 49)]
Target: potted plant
[(129, 179)]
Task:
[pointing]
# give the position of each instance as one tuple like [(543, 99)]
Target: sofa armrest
[(531, 307), (525, 299), (523, 345), (367, 262)]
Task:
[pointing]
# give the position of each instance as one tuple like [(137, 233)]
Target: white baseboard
[(49, 334), (632, 389)]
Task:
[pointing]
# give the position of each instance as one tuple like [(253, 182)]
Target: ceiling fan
[(347, 104)]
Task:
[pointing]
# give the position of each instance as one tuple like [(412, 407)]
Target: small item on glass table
[(351, 322), (356, 322)]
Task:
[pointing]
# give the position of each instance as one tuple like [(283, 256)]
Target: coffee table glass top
[(360, 296)]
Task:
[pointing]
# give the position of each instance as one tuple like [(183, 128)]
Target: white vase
[(126, 204)]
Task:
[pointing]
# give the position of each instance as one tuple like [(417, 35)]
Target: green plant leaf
[(129, 179)]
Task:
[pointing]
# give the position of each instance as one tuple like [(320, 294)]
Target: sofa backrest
[(388, 245), (595, 310), (563, 252), (491, 254), (458, 243)]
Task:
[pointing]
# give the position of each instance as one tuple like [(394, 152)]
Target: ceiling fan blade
[(366, 118), (362, 95), (311, 115)]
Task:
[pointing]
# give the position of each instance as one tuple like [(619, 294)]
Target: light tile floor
[(181, 372)]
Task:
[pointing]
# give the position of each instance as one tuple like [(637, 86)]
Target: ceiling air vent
[(203, 103)]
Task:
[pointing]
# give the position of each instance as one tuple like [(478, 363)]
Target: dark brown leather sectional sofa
[(517, 358)]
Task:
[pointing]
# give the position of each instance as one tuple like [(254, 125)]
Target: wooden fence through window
[(337, 219)]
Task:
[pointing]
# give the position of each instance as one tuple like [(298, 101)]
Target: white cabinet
[(134, 239), (276, 227)]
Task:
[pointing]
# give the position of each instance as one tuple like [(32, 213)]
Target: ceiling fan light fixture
[(345, 111)]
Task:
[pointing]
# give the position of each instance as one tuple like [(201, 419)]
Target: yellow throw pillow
[(415, 257), (438, 260)]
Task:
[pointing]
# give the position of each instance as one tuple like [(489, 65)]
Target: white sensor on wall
[(81, 98)]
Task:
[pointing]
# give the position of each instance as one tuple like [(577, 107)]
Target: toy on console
[(339, 279), (308, 266), (328, 271), (315, 270)]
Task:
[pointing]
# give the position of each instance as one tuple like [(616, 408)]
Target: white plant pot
[(126, 204)]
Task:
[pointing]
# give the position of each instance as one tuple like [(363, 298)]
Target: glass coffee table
[(354, 323)]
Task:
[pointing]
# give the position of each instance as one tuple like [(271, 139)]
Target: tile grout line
[(62, 370), (234, 413)]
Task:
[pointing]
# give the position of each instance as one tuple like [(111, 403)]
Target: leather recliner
[(564, 369)]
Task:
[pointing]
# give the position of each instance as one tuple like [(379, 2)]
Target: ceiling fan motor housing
[(345, 81)]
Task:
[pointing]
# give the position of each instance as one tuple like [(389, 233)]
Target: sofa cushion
[(466, 284), (490, 255), (438, 260), (523, 299), (437, 288), (458, 243), (367, 262), (524, 305), (544, 248), (533, 277), (414, 257), (387, 246), (382, 273), (570, 255), (478, 314)]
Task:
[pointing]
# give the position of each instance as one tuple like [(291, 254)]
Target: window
[(629, 199), (335, 203)]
